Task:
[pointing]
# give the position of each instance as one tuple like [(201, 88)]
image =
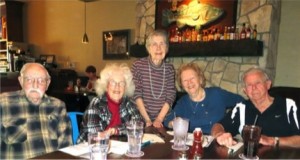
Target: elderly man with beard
[(32, 123)]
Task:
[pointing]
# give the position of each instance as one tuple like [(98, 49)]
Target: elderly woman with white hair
[(112, 108)]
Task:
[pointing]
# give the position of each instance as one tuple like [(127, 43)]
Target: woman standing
[(112, 108), (202, 106), (154, 80)]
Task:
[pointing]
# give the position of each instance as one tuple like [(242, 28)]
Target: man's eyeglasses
[(39, 80), (113, 83)]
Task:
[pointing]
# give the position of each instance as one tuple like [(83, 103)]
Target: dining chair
[(74, 123)]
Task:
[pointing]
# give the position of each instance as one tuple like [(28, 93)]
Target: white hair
[(108, 71), (27, 65)]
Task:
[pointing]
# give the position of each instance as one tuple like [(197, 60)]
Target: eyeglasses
[(113, 83), (39, 80), (256, 84), (156, 45)]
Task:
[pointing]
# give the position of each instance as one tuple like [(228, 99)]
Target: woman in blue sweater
[(202, 106)]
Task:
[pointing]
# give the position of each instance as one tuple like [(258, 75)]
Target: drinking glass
[(134, 136), (251, 136), (98, 145), (180, 127)]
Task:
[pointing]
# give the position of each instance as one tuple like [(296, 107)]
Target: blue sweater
[(207, 112)]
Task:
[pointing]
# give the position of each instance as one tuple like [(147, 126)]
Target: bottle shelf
[(228, 48)]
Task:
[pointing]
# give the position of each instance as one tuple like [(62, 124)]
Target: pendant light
[(85, 38)]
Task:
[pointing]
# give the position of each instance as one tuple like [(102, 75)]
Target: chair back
[(74, 123)]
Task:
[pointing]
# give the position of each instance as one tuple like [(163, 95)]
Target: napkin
[(233, 149), (207, 139), (118, 147), (153, 138), (76, 150)]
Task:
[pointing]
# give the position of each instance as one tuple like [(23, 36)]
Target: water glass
[(134, 136), (251, 136), (180, 127), (98, 145)]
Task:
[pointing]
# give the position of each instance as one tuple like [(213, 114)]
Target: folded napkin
[(207, 139), (76, 150)]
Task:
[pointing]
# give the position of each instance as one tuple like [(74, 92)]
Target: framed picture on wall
[(198, 14), (116, 44)]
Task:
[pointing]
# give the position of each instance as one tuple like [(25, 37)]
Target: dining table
[(165, 151)]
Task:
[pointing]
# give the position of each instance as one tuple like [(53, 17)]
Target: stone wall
[(225, 72)]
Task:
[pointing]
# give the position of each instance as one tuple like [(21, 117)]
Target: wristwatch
[(276, 141)]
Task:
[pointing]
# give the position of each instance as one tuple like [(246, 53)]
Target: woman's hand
[(111, 131), (157, 123), (148, 123)]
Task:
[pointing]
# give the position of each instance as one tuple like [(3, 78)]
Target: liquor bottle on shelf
[(217, 34), (228, 33), (254, 34), (179, 34), (210, 35), (199, 36), (205, 36), (188, 35), (237, 34), (232, 33), (194, 35), (248, 32), (243, 32), (175, 37), (225, 33)]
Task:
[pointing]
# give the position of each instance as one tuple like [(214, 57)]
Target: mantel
[(229, 48)]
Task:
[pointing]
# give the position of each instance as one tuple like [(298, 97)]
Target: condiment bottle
[(197, 149)]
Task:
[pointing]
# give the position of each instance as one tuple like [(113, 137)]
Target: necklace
[(191, 102), (193, 108), (163, 85)]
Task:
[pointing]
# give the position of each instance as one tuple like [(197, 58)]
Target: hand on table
[(157, 124), (225, 139), (267, 141)]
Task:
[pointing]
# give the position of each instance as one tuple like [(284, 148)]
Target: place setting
[(99, 144)]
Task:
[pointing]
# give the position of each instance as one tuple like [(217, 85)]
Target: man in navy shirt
[(276, 116)]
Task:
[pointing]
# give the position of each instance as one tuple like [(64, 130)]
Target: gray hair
[(161, 33), (27, 65), (255, 69), (108, 71)]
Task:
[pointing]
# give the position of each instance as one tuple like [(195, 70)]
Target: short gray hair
[(255, 69), (108, 71), (161, 33)]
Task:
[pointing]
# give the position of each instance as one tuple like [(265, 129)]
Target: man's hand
[(268, 141), (225, 139)]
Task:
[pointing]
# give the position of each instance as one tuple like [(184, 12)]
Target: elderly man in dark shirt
[(276, 116)]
